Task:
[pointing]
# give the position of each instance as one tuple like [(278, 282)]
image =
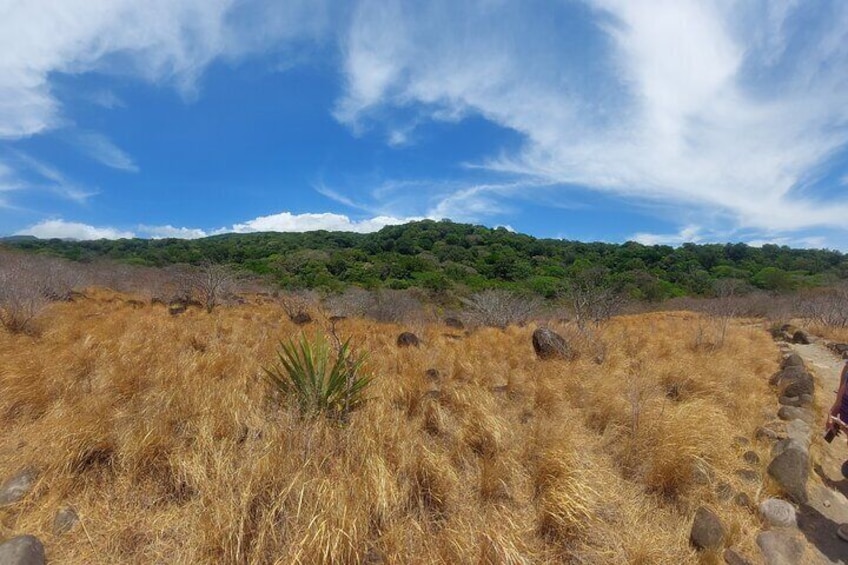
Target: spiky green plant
[(320, 384)]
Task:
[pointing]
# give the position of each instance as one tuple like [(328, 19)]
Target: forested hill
[(443, 255)]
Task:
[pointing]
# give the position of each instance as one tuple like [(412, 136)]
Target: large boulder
[(707, 531), (22, 550), (550, 345), (792, 360), (778, 513), (790, 413), (800, 336), (17, 486), (794, 381), (781, 547), (790, 469)]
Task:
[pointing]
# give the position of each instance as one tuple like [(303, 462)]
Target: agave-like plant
[(318, 383)]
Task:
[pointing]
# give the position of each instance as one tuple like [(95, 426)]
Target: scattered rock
[(778, 513), (742, 499), (407, 339), (550, 345), (766, 433), (741, 441), (734, 557), (806, 400), (779, 547), (301, 318), (432, 375), (724, 491), (454, 323), (17, 486), (794, 381), (751, 457), (802, 337), (22, 550), (799, 430), (374, 557), (65, 520), (790, 470), (792, 413), (748, 475), (792, 360), (840, 349), (789, 401), (707, 531)]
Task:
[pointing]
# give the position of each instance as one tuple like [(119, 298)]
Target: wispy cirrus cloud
[(102, 149), (732, 107)]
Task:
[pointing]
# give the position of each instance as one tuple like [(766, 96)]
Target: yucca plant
[(319, 383)]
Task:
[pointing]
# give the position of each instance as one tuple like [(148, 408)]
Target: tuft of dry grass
[(160, 431)]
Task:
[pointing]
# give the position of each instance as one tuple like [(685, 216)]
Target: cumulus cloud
[(730, 106), (282, 222), (61, 229), (288, 222)]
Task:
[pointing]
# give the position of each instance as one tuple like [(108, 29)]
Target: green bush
[(320, 384)]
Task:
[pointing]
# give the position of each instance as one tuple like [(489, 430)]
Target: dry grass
[(161, 433)]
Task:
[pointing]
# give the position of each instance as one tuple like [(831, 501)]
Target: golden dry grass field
[(163, 435)]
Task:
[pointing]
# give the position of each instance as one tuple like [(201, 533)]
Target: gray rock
[(790, 469), (550, 345), (724, 491), (741, 441), (789, 401), (707, 531), (407, 339), (751, 457), (792, 360), (806, 400), (799, 430), (802, 337), (454, 323), (734, 557), (742, 499), (780, 547), (778, 513), (17, 486), (795, 382), (766, 433), (65, 520), (791, 413), (22, 550)]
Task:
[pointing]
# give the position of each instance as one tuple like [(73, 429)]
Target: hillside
[(446, 256), (161, 439)]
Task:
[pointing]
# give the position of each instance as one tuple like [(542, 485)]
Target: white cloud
[(689, 234), (282, 222), (686, 101), (100, 148), (162, 41), (288, 222), (30, 172), (61, 229), (163, 232)]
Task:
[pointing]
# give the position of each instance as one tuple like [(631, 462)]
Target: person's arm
[(837, 405)]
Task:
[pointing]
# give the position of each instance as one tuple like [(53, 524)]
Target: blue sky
[(661, 121)]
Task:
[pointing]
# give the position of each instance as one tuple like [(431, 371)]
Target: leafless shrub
[(28, 283), (388, 306), (499, 308), (299, 306), (827, 307), (208, 284), (592, 297)]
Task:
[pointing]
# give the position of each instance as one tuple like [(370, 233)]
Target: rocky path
[(827, 506)]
